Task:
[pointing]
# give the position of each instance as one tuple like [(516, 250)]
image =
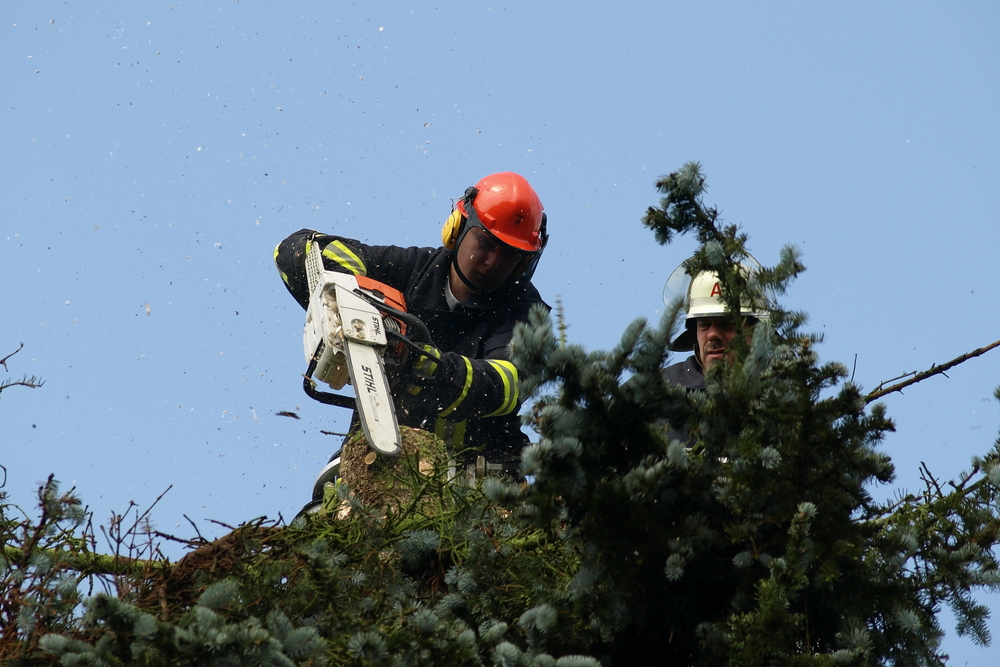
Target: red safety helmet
[(507, 206)]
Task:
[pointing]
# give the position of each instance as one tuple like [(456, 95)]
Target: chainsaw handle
[(408, 318), (309, 386), (406, 341)]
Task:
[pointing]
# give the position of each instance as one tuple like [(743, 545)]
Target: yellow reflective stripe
[(342, 255), (465, 389), (452, 434), (426, 365), (508, 374), (284, 276)]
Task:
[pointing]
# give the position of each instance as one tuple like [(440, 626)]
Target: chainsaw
[(349, 322)]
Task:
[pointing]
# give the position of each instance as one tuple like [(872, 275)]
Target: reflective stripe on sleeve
[(284, 276), (451, 433), (465, 389), (426, 365), (508, 374), (342, 255)]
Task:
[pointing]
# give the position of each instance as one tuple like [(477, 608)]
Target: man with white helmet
[(708, 331), (709, 328)]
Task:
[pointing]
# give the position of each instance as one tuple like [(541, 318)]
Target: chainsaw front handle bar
[(409, 318), (309, 386)]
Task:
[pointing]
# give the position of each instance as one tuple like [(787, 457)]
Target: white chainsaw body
[(345, 334)]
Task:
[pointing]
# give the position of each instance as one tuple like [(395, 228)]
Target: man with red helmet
[(470, 293)]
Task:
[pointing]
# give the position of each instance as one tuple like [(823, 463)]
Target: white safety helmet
[(703, 298)]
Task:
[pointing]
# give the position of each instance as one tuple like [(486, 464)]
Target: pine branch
[(919, 377), (88, 563), (561, 319)]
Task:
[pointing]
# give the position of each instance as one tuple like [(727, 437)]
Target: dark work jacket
[(472, 399), (687, 374)]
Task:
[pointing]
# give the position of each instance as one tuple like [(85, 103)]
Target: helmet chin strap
[(461, 276), (458, 270), (478, 291)]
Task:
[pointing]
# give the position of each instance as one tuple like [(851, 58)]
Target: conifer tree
[(755, 541), (758, 540)]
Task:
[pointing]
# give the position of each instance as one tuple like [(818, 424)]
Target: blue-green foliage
[(201, 636), (752, 541)]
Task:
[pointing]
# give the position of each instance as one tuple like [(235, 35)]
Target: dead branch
[(3, 362), (933, 370), (32, 382)]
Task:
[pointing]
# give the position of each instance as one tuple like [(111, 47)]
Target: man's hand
[(415, 394)]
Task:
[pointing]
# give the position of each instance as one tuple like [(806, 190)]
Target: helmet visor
[(486, 261), (501, 231), (489, 242)]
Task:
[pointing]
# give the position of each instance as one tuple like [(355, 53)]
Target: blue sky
[(156, 152)]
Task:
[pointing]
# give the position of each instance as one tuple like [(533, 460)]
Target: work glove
[(402, 350), (415, 393)]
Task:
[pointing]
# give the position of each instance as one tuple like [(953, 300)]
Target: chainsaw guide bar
[(344, 342)]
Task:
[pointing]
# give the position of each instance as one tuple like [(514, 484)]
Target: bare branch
[(148, 509), (933, 370), (32, 382), (898, 377), (929, 479), (3, 362)]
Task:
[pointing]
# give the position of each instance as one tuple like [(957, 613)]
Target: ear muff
[(452, 228)]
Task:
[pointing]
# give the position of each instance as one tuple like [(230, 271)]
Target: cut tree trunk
[(389, 484)]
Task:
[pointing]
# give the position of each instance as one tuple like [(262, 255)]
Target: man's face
[(485, 261), (713, 335)]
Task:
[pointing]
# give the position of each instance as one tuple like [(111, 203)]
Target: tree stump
[(395, 483)]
